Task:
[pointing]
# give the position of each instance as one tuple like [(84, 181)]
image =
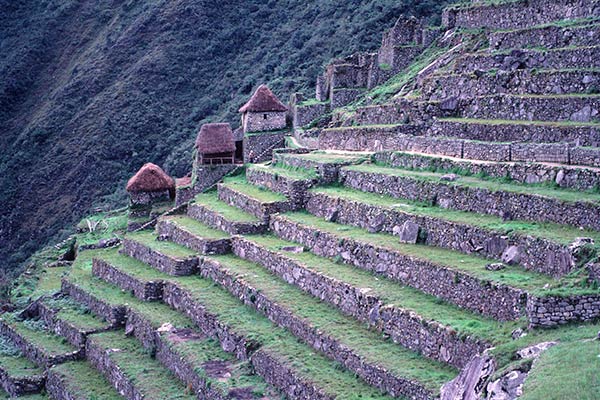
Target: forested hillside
[(91, 90)]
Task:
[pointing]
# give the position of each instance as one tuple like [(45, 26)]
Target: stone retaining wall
[(344, 96), (17, 386), (217, 221), (540, 152), (546, 37), (528, 59), (303, 115), (172, 232), (251, 205), (162, 262), (114, 315), (577, 135), (536, 254), (405, 327), (585, 156), (563, 176), (529, 207), (373, 374), (57, 387), (498, 301), (327, 171), (143, 290), (258, 147), (551, 311), (206, 176), (293, 189), (35, 354)]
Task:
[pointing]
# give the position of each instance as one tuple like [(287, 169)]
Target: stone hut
[(263, 112), (215, 144), (150, 185)]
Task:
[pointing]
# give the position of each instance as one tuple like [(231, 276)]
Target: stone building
[(263, 112), (150, 185), (215, 144)]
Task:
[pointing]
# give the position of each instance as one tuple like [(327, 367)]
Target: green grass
[(13, 362), (566, 195), (286, 171), (84, 381), (566, 371), (149, 239), (39, 396), (557, 124), (148, 375), (469, 264), (562, 234), (353, 334), (75, 313), (102, 225), (239, 184), (322, 157), (196, 228), (211, 201), (36, 334), (391, 292)]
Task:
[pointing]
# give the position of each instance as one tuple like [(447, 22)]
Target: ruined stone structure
[(381, 257)]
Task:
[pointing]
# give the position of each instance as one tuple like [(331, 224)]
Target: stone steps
[(195, 359), (553, 59), (564, 176), (18, 375), (468, 85), (121, 360), (506, 200), (209, 210), (188, 232), (576, 108), (575, 33), (413, 319), (562, 153), (256, 201), (78, 380), (579, 134), (516, 13), (311, 321), (457, 278), (325, 163), (274, 353), (292, 183), (543, 248), (168, 257), (36, 343)]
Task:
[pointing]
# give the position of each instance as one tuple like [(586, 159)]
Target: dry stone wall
[(217, 221), (168, 230), (551, 311), (547, 37), (162, 262), (258, 147)]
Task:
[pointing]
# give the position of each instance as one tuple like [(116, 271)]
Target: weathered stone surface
[(163, 262), (409, 232), (293, 189), (114, 315), (258, 147), (170, 231), (499, 301), (470, 383), (17, 386), (251, 205), (405, 327), (218, 221), (552, 311)]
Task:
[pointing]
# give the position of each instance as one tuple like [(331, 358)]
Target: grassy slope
[(93, 89)]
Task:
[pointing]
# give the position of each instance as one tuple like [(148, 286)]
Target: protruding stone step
[(576, 133), (256, 201), (78, 380), (556, 59), (544, 248), (458, 278), (567, 33), (565, 176), (539, 82), (384, 365), (163, 255), (120, 359), (408, 316), (69, 319), (506, 200), (188, 232), (576, 108), (515, 14), (208, 209), (18, 375), (195, 359), (292, 183), (325, 163), (36, 343)]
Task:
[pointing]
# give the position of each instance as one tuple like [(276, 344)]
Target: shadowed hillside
[(91, 90)]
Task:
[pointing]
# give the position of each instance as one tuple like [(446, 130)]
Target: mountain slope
[(93, 89)]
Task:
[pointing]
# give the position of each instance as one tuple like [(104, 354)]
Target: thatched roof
[(263, 100), (215, 138), (150, 178)]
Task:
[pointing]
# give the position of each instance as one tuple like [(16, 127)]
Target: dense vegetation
[(91, 90)]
